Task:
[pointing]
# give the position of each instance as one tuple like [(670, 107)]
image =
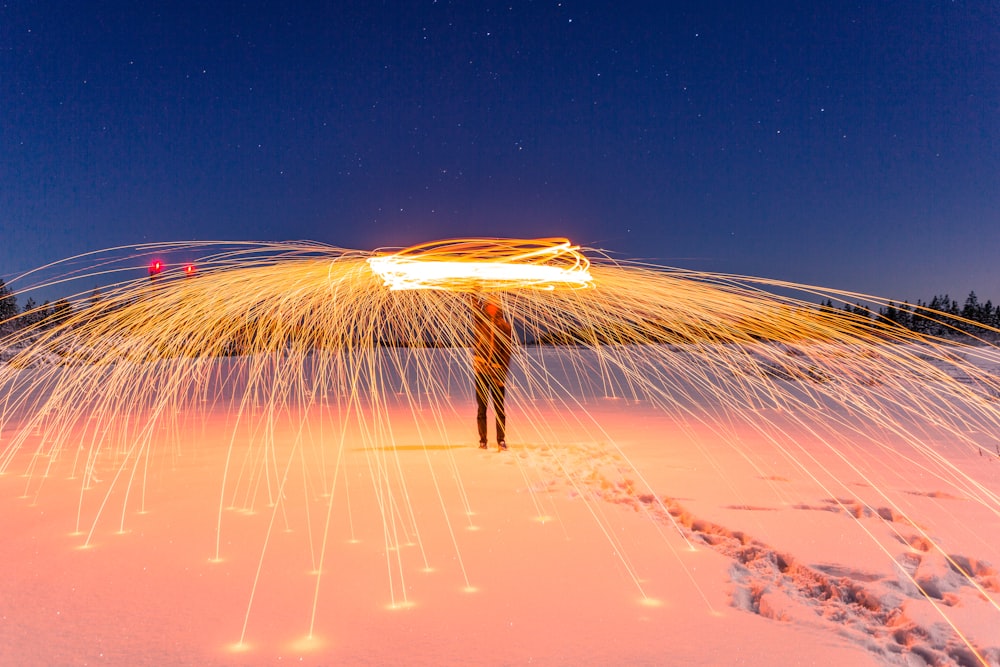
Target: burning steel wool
[(479, 264)]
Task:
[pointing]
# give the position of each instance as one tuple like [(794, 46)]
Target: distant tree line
[(973, 317), (948, 318), (12, 317)]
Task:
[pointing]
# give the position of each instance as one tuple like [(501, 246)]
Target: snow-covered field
[(611, 533)]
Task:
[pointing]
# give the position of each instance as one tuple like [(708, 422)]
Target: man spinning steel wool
[(492, 346)]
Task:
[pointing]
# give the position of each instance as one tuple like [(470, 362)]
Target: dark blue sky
[(843, 144)]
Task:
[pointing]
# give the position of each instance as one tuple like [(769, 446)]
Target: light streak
[(337, 340), (476, 264)]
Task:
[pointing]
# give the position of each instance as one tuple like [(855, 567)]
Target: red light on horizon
[(189, 269), (155, 267)]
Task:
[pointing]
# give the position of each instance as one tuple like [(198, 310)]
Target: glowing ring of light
[(472, 264)]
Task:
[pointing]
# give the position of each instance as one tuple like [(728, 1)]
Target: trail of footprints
[(868, 608)]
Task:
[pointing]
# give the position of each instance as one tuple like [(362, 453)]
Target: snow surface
[(611, 533)]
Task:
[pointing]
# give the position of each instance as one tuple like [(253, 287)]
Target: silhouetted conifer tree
[(8, 306), (62, 309)]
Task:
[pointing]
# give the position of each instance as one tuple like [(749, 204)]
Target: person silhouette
[(492, 346)]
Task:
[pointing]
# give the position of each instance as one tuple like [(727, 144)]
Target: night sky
[(850, 145)]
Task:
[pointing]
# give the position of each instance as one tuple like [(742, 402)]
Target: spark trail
[(281, 332)]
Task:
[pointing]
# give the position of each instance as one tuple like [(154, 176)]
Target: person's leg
[(482, 398), (501, 412)]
